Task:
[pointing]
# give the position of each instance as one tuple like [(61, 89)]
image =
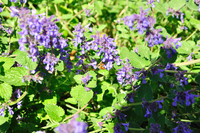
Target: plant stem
[(187, 63), (136, 129), (76, 113), (190, 120), (69, 106), (79, 12), (19, 99), (191, 35), (173, 71)]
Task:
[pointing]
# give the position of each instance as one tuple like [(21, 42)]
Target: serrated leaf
[(52, 100), (186, 48), (5, 91), (60, 66), (106, 110), (71, 100), (144, 51), (191, 4), (54, 112), (23, 59), (8, 62), (195, 23), (77, 78), (177, 4), (134, 59), (4, 124), (81, 95), (98, 6), (14, 76)]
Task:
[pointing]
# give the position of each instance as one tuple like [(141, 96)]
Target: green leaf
[(134, 59), (195, 23), (145, 91), (4, 124), (78, 78), (5, 91), (144, 51), (60, 66), (58, 1), (161, 7), (54, 112), (23, 59), (52, 100), (106, 110), (81, 95), (177, 4), (186, 47), (192, 5), (14, 76), (71, 100), (8, 62), (98, 6)]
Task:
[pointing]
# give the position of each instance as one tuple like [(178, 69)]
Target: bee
[(100, 66)]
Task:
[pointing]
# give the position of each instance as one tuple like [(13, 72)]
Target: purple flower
[(120, 115), (184, 98), (180, 77), (2, 110), (86, 78), (50, 61), (14, 11), (129, 97), (151, 107), (152, 2), (72, 126), (183, 127), (87, 12), (155, 128), (15, 1), (142, 21), (125, 75), (176, 13), (1, 9), (156, 70), (10, 109), (118, 128), (154, 37), (144, 73), (168, 46), (19, 104), (190, 56)]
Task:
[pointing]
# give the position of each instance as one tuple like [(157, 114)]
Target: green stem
[(136, 129), (173, 71), (190, 120), (187, 63), (140, 103), (191, 35), (71, 107), (98, 130), (19, 99)]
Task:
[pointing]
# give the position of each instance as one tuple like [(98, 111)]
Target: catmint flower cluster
[(143, 23), (37, 30), (21, 1), (144, 74), (1, 9), (86, 79), (155, 70), (4, 107), (118, 127), (184, 98), (176, 13), (36, 78), (152, 2), (168, 46), (155, 128), (183, 127), (88, 12), (19, 104), (190, 56), (151, 107), (180, 77), (125, 75), (72, 126)]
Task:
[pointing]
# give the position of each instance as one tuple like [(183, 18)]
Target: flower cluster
[(21, 1), (180, 77), (155, 128), (184, 98), (118, 129), (37, 30), (72, 126), (152, 2), (4, 107), (183, 127), (168, 46), (145, 24), (155, 70), (144, 74), (86, 79), (19, 104), (176, 13), (151, 107), (125, 75)]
